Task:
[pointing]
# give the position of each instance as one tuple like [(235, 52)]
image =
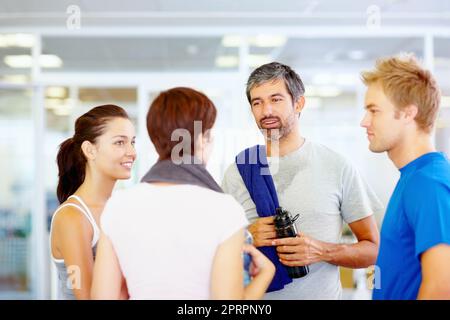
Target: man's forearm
[(358, 255)]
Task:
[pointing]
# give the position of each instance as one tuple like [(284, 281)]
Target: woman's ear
[(198, 143), (89, 150), (208, 136)]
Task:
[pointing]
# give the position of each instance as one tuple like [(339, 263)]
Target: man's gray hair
[(276, 71)]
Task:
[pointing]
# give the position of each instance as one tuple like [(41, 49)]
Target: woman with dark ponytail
[(100, 152)]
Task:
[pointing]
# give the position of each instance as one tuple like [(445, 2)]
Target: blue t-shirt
[(417, 218)]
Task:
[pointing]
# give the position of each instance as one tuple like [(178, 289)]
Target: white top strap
[(90, 216), (85, 210), (53, 219), (85, 207)]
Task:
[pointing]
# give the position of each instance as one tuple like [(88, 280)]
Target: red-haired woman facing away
[(176, 235)]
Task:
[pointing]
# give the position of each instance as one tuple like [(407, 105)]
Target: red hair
[(178, 108)]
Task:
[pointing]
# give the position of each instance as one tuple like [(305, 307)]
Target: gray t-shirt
[(325, 189)]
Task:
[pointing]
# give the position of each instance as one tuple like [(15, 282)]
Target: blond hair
[(405, 82)]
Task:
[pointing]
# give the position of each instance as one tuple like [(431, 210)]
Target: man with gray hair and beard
[(304, 178)]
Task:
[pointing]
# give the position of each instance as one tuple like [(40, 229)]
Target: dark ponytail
[(70, 158)]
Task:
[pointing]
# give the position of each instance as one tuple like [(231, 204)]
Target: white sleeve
[(231, 218), (107, 217)]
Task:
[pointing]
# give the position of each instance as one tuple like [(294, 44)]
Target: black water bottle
[(285, 227)]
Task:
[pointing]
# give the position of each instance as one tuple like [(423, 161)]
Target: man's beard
[(272, 134), (283, 131)]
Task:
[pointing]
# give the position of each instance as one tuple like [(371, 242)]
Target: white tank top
[(64, 285)]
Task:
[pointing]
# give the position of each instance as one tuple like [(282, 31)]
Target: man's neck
[(285, 145), (411, 148)]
